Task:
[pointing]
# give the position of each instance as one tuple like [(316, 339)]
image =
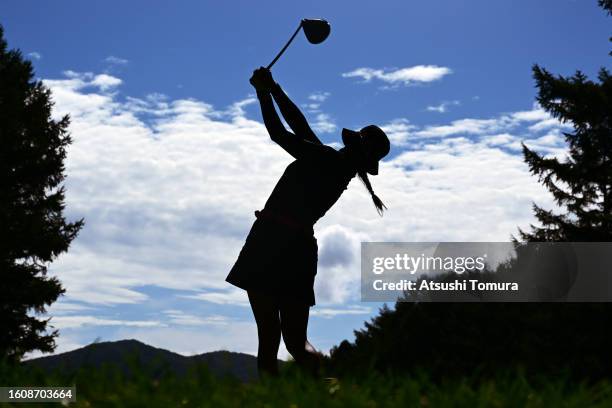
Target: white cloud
[(550, 123), (504, 122), (181, 318), (406, 76), (70, 322), (63, 307), (319, 96), (465, 126), (105, 82), (552, 143), (311, 107), (398, 131), (236, 110), (533, 115), (80, 80), (315, 100), (35, 55), (328, 313), (443, 107), (236, 297), (168, 189), (111, 59), (324, 123), (503, 140), (339, 262)]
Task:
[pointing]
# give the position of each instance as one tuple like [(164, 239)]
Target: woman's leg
[(266, 312), (294, 326)]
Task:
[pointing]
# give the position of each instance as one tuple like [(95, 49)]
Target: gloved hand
[(262, 80)]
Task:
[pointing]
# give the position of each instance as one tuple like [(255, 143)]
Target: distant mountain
[(156, 360)]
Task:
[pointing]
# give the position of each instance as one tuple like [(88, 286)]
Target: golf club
[(316, 31)]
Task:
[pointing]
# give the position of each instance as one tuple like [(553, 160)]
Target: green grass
[(109, 388)]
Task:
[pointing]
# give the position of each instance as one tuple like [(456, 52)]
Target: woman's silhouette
[(278, 262)]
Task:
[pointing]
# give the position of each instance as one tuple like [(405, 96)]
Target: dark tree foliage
[(32, 227), (581, 183), (476, 340), (607, 5), (453, 339)]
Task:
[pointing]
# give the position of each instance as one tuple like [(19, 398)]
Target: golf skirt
[(278, 260)]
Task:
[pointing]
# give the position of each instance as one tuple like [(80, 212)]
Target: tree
[(581, 183), (607, 5), (32, 226), (451, 340)]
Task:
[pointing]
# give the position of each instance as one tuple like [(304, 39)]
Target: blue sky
[(170, 157)]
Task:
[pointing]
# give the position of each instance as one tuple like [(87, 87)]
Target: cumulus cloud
[(77, 81), (35, 55), (168, 189), (399, 131), (338, 247), (537, 119), (405, 76), (105, 82), (339, 259), (549, 123), (534, 115), (505, 131)]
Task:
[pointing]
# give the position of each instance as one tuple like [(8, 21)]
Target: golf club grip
[(285, 47)]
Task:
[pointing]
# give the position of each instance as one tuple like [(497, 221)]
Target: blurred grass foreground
[(108, 386)]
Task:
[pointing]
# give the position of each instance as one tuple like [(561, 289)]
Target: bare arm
[(293, 115), (273, 124), (295, 146)]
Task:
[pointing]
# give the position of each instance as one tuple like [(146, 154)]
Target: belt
[(285, 220)]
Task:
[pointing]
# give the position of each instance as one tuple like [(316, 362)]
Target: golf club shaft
[(285, 47)]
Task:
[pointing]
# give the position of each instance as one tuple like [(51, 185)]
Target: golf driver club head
[(316, 30)]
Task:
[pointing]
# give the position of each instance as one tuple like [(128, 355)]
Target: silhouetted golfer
[(278, 262)]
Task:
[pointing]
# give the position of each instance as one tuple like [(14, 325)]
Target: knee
[(295, 347)]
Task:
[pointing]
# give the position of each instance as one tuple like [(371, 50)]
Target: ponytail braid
[(377, 201)]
